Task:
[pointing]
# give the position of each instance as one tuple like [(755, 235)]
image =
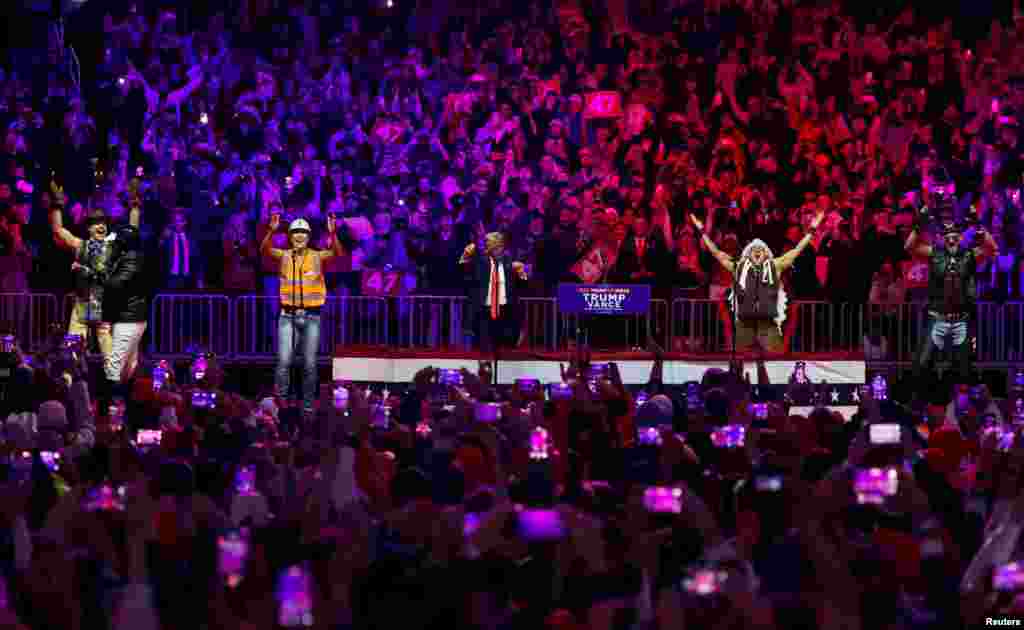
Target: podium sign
[(604, 299)]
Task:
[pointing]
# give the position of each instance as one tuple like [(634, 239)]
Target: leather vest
[(760, 300), (89, 292), (957, 271)]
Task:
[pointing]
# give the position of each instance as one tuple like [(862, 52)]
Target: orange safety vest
[(302, 280)]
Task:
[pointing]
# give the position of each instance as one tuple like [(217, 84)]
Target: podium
[(580, 304)]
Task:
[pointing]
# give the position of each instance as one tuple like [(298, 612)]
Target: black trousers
[(494, 334)]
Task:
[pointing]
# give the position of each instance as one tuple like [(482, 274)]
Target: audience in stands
[(587, 136)]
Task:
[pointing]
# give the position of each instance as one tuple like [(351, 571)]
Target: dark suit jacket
[(657, 258), (479, 271), (195, 259)]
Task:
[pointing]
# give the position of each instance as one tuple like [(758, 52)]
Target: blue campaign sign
[(604, 299)]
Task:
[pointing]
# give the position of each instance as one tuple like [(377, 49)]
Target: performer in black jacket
[(951, 293), (125, 305)]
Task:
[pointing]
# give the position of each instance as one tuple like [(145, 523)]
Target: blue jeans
[(302, 333), (942, 335)]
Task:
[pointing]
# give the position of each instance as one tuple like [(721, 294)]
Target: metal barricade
[(542, 328), (344, 321), (992, 329), (355, 321), (180, 322), (545, 328), (31, 317), (1009, 344), (432, 321), (255, 326), (699, 325), (824, 327), (903, 328), (705, 326)]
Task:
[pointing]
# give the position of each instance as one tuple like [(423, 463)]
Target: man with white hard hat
[(303, 293)]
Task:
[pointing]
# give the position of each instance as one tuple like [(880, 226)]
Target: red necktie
[(494, 289), (641, 247)]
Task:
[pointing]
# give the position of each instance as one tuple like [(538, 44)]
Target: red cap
[(949, 440), (940, 461), (902, 551), (561, 619)]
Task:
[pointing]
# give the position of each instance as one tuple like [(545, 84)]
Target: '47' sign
[(378, 283)]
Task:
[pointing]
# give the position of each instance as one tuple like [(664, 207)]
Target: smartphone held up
[(295, 598), (232, 554)]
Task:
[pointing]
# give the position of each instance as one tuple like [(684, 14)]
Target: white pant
[(124, 351)]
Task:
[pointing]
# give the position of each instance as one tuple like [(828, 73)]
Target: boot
[(121, 392), (104, 396)]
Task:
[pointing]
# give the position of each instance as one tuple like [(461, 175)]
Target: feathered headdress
[(743, 268)]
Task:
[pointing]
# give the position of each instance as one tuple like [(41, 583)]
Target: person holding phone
[(303, 293), (951, 293), (758, 299)]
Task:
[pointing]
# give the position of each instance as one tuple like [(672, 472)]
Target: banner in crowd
[(378, 283), (602, 105), (604, 299)]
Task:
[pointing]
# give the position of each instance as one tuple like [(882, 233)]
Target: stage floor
[(399, 366)]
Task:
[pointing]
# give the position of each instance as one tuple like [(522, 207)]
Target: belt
[(951, 318), (294, 310)]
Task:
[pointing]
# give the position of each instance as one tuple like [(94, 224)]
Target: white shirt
[(502, 298)]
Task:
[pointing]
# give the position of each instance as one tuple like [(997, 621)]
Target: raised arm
[(723, 259), (785, 261), (336, 248), (265, 247), (916, 246), (60, 233), (988, 249), (135, 213)]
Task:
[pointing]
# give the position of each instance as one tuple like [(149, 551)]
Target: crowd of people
[(456, 503), (585, 142), (584, 148)]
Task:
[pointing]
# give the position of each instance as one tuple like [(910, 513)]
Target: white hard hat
[(299, 225)]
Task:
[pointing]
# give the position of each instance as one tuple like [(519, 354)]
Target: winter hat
[(20, 430), (169, 417), (949, 440), (656, 411), (52, 415)]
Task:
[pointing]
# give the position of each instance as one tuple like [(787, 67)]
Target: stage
[(399, 366)]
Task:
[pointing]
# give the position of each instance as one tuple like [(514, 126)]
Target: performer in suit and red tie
[(495, 281)]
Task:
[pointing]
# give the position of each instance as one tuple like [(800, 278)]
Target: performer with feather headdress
[(758, 299)]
